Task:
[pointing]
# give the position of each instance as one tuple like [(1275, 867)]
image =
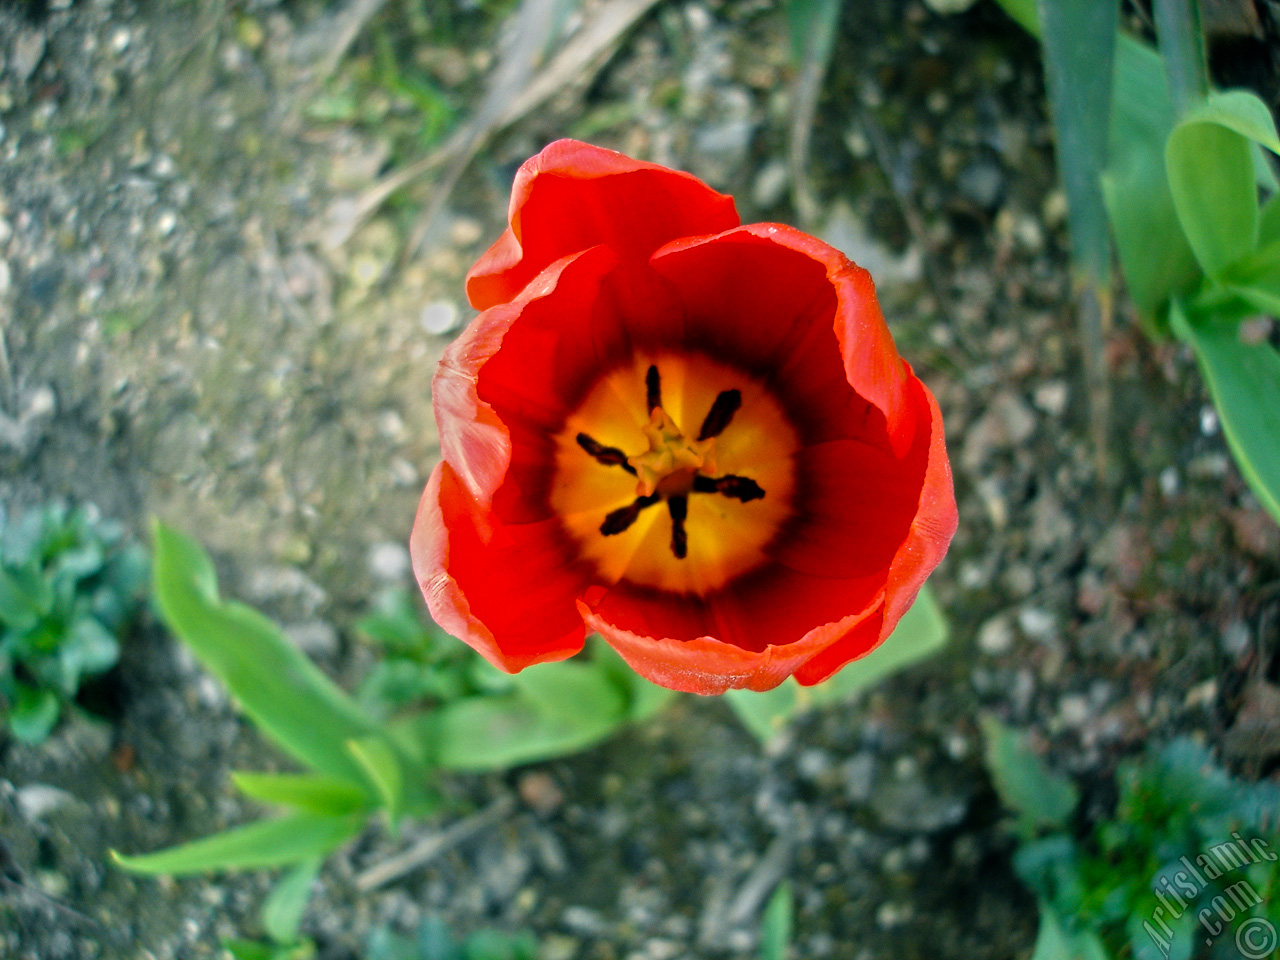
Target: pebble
[(1036, 623), (770, 184), (1235, 638), (996, 635), (584, 920), (37, 800), (464, 231), (314, 637), (440, 317), (26, 53), (389, 561), (982, 183), (1073, 710), (859, 777), (1051, 397), (1208, 421)]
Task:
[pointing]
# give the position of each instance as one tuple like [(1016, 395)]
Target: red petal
[(786, 304), (930, 533), (856, 503), (572, 196), (754, 635), (506, 591)]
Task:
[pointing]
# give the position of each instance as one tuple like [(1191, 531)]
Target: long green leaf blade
[(1210, 169), (266, 843), (1079, 38), (1182, 48), (302, 791), (1244, 381), (282, 691), (775, 928), (282, 912)]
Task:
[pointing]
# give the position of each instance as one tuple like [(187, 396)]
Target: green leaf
[(1079, 39), (503, 730), (282, 912), (382, 766), (1244, 381), (1269, 223), (88, 649), (921, 632), (775, 928), (33, 714), (495, 945), (1026, 785), (282, 691), (308, 792), (1241, 111), (1182, 48), (764, 713), (1154, 254), (266, 843), (644, 697), (575, 692), (1055, 942), (1210, 171)]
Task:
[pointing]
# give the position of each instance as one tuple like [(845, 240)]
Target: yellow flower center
[(705, 440)]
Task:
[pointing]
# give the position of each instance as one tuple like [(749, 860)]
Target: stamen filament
[(609, 456), (653, 388), (678, 507), (621, 519), (721, 414)]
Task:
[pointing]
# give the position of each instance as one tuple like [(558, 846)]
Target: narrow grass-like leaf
[(308, 792), (282, 912), (282, 691), (1244, 381), (1269, 222), (1079, 38), (266, 843), (1210, 171), (1182, 49), (775, 928), (383, 768)]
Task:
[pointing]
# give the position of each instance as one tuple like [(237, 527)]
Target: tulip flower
[(693, 437)]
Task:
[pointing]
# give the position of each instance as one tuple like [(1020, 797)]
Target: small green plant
[(1180, 173), (359, 759), (418, 663), (70, 585), (1186, 865)]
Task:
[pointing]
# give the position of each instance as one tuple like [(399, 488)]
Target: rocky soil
[(212, 312)]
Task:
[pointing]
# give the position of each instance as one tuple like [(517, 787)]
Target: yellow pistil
[(672, 460), (675, 473)]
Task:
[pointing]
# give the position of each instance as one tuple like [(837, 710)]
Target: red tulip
[(693, 437)]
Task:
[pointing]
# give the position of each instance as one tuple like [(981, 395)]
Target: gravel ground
[(197, 325)]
